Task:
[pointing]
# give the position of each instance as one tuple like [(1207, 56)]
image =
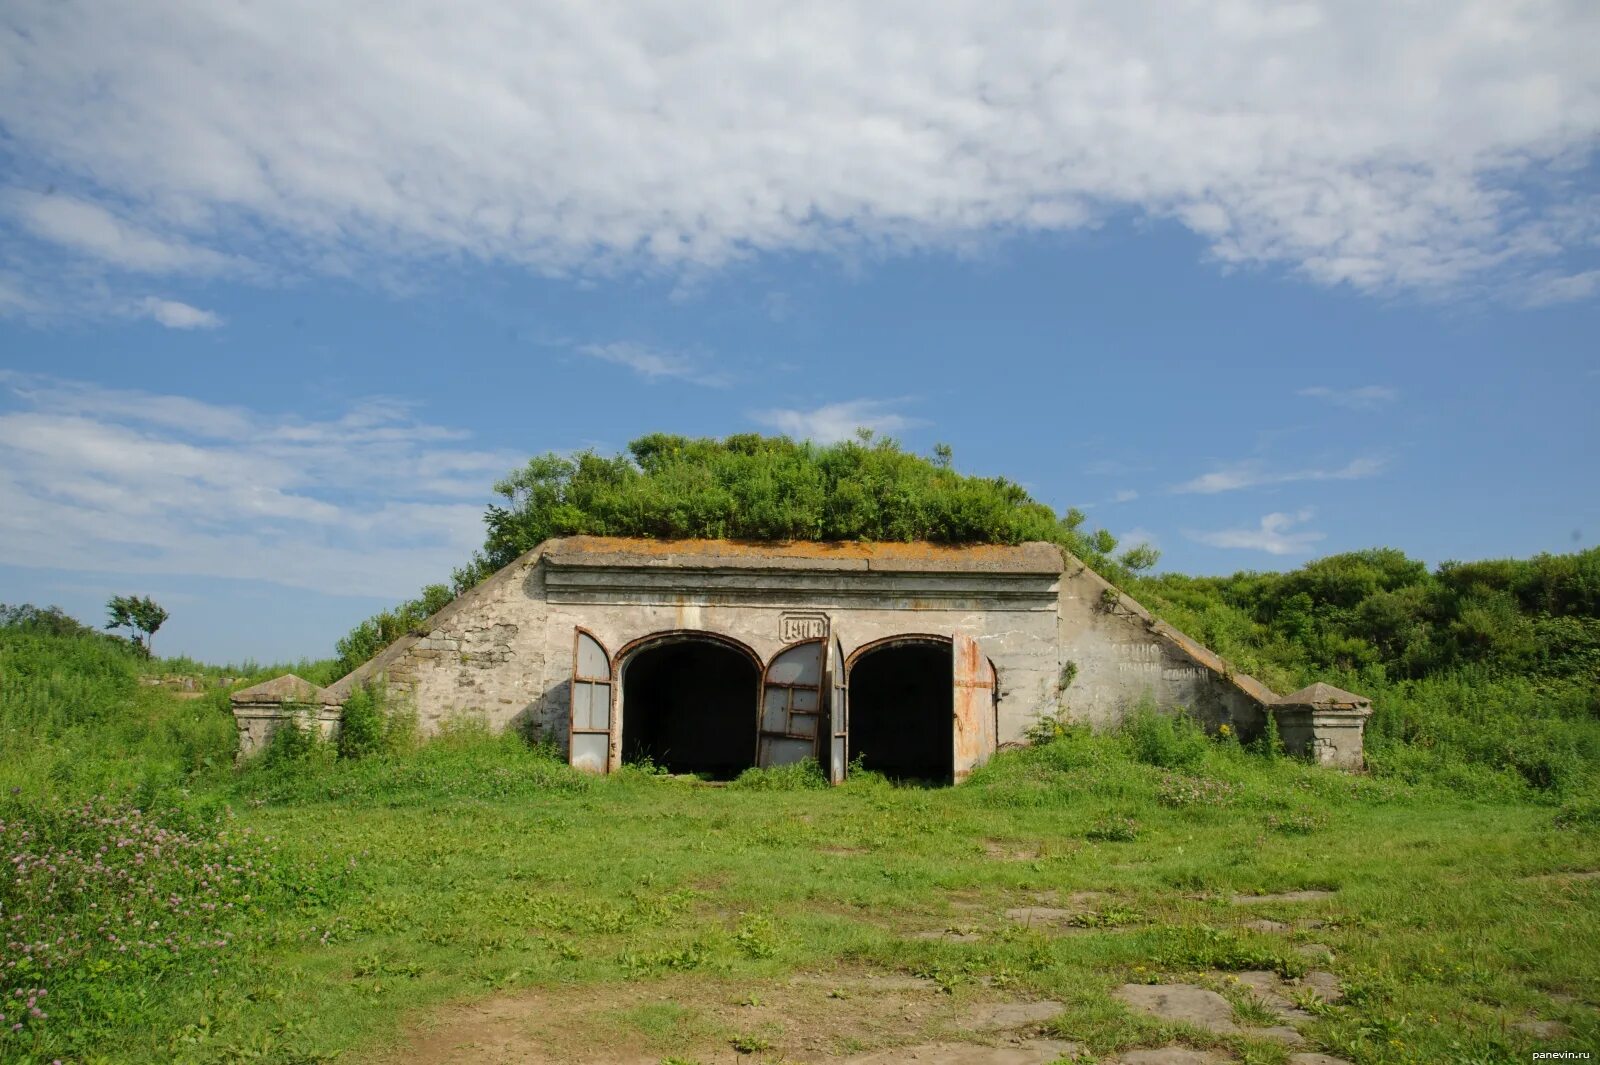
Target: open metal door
[(589, 741), (976, 725), (791, 705), (838, 747)]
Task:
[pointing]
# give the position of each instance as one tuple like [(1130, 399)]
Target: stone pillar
[(1325, 724), (261, 710)]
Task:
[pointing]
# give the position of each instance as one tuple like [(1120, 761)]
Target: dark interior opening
[(902, 712), (690, 707)]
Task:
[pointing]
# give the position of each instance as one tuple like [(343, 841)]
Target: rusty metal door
[(976, 725), (838, 747), (589, 735), (791, 705)]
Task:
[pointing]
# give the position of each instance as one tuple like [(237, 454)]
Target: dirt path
[(856, 1016)]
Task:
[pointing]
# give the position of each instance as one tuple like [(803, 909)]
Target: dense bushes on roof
[(750, 487)]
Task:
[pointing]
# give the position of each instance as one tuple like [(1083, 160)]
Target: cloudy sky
[(284, 287)]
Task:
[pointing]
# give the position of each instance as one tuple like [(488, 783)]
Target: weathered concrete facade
[(693, 652), (1325, 724), (261, 708)]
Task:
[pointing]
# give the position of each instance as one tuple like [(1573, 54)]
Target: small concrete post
[(262, 709), (1324, 723)]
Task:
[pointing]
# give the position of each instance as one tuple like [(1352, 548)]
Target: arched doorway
[(901, 709), (689, 704)]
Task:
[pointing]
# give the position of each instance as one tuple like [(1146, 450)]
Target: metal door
[(975, 707), (838, 747), (791, 705), (589, 738)]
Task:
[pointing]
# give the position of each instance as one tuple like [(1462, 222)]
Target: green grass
[(477, 866), (355, 898)]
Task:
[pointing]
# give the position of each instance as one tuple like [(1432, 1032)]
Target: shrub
[(1169, 741), (465, 762), (360, 724), (297, 740), (804, 775), (368, 725), (1269, 744), (750, 487), (1177, 790), (1581, 812), (1047, 728), (1296, 824), (1113, 828)]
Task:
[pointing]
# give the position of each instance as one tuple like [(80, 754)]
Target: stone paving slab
[(1173, 1055), (1269, 990), (1543, 1029), (1050, 915), (1324, 985), (1308, 895), (947, 935), (1027, 1052), (998, 1016), (1182, 1002)]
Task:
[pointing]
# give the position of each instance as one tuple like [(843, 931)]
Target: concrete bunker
[(708, 656), (689, 704)]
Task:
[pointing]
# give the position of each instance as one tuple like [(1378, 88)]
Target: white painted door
[(589, 734), (791, 705)]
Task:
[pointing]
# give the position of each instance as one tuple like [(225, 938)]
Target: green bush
[(1169, 741), (804, 775), (297, 740), (750, 487), (462, 762), (1581, 812), (1113, 828), (360, 724)]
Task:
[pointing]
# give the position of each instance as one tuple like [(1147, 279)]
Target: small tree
[(140, 614)]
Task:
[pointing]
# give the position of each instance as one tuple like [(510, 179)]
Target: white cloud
[(93, 231), (1136, 537), (1273, 535), (1253, 474), (16, 297), (175, 315), (1381, 147), (371, 502), (1125, 495), (1549, 289), (653, 362), (1367, 397), (833, 422)]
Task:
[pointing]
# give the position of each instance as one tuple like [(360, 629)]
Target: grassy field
[(473, 899), (645, 918)]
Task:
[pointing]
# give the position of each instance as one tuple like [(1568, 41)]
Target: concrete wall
[(1123, 655), (257, 722), (485, 656), (504, 651)]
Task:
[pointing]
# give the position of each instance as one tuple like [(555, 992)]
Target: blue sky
[(1259, 284)]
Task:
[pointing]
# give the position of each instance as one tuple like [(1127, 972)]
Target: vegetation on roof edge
[(754, 488)]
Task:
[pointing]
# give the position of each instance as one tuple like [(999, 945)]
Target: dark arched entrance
[(901, 710), (689, 704)]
